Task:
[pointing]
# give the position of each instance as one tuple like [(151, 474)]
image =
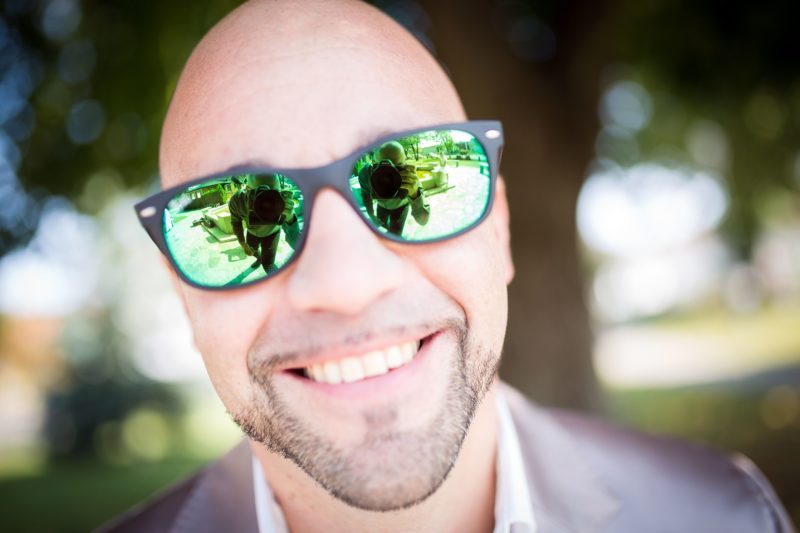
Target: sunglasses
[(243, 225)]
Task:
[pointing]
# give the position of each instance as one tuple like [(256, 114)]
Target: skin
[(281, 83), (258, 180), (394, 152)]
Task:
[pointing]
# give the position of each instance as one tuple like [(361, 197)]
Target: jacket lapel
[(566, 492), (223, 498)]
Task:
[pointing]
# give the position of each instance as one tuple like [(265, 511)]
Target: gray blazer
[(584, 476)]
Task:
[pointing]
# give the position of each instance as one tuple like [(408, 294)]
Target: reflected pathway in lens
[(213, 262), (457, 207)]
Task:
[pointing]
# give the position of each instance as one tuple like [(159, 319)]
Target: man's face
[(379, 443)]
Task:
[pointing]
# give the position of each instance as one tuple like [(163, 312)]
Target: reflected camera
[(385, 180), (268, 206)]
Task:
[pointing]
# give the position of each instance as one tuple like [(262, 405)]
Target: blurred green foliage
[(140, 49), (133, 52), (736, 64)]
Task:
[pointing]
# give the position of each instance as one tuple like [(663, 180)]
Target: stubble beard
[(388, 470)]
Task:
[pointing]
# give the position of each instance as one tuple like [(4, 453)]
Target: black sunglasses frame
[(311, 181)]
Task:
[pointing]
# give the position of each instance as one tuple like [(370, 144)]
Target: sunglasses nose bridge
[(336, 176)]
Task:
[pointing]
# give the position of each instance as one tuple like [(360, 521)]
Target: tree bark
[(549, 113)]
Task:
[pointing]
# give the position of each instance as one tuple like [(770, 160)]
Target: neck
[(464, 502)]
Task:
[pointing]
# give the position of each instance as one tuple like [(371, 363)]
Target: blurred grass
[(698, 347), (22, 461), (80, 495), (768, 337)]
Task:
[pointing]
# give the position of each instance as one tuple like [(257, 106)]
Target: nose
[(344, 267)]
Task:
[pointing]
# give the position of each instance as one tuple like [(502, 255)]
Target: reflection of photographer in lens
[(394, 188), (263, 209)]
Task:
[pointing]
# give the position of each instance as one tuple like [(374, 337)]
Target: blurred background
[(653, 167)]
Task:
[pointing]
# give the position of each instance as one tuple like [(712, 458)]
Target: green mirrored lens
[(423, 186), (235, 229)]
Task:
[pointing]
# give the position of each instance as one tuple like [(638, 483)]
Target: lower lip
[(389, 383)]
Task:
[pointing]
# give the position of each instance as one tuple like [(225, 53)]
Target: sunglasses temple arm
[(153, 228)]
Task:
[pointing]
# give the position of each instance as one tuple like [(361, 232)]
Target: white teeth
[(351, 370), (393, 357), (407, 351), (374, 363), (330, 373)]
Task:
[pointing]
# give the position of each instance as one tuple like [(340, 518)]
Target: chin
[(383, 443)]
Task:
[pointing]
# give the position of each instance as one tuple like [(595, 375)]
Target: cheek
[(470, 269), (224, 325)]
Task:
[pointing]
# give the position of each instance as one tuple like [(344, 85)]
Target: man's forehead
[(303, 100)]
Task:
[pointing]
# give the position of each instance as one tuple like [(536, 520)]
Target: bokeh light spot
[(60, 19), (146, 434), (85, 122), (626, 104)]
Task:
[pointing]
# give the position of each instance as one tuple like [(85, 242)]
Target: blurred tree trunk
[(549, 112)]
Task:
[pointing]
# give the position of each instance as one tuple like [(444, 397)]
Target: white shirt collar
[(512, 502), (512, 505)]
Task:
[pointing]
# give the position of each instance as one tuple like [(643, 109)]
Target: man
[(394, 188), (265, 210), (435, 443)]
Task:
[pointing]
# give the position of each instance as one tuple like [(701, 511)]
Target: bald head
[(298, 83), (393, 151), (263, 180)]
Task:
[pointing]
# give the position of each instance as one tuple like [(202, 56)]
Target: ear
[(500, 224)]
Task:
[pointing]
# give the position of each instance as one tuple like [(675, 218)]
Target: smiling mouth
[(360, 367)]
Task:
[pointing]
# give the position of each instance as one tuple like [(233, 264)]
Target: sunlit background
[(689, 240)]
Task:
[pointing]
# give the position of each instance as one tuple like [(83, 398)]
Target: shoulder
[(661, 484), (156, 514), (238, 195), (675, 480), (217, 498), (238, 201)]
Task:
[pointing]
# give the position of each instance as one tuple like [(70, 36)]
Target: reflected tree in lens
[(423, 186), (235, 229)]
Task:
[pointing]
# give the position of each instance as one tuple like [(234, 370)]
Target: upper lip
[(346, 349)]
